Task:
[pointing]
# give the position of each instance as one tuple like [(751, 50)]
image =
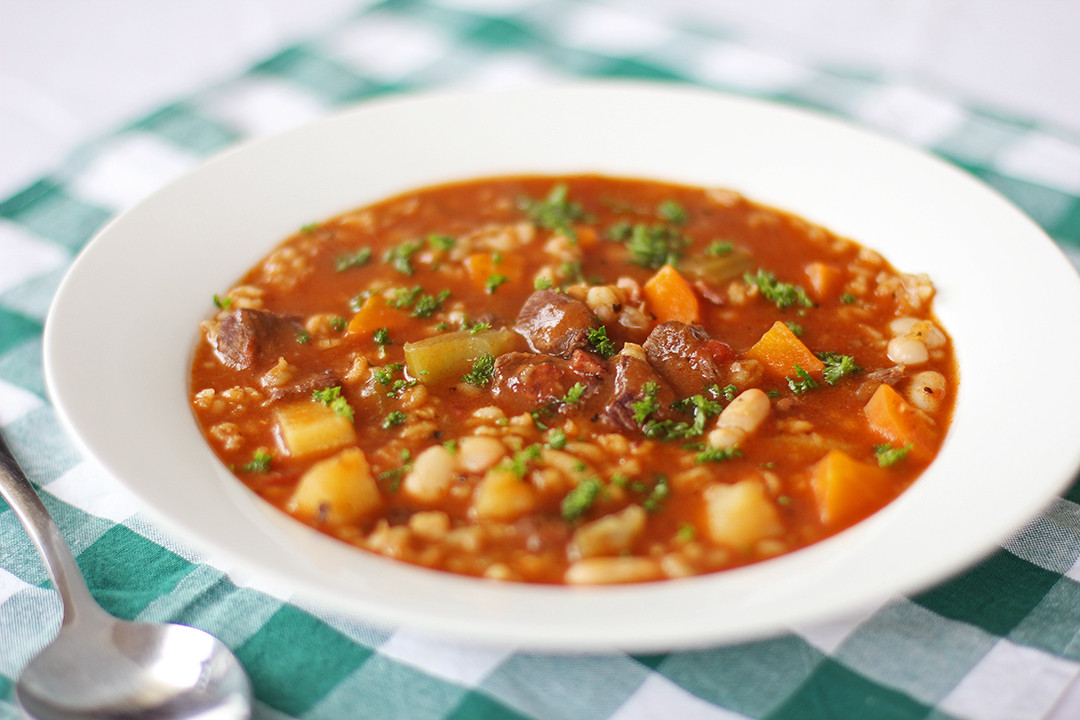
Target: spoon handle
[(16, 490)]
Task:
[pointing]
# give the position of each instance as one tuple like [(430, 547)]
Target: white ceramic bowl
[(119, 339)]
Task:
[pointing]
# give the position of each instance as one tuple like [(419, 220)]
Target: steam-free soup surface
[(574, 379)]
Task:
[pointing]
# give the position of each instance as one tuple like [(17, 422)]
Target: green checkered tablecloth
[(1000, 641)]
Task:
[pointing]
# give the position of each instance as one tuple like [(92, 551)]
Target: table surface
[(92, 121)]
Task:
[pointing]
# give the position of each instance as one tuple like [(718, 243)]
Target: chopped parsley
[(385, 374), (847, 298), (686, 532), (222, 303), (574, 394), (578, 501), (333, 399), (556, 439), (658, 495), (555, 212), (887, 455), (494, 281), (483, 370), (783, 294), (802, 382), (601, 342), (479, 327), (381, 336), (717, 454), (648, 404), (338, 323), (719, 247), (302, 336), (352, 260), (795, 328), (441, 242), (519, 463), (542, 282), (654, 246), (259, 463), (404, 298), (672, 212), (837, 366), (393, 419), (400, 256), (428, 305)]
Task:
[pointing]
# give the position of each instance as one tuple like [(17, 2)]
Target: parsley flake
[(333, 399), (555, 212), (483, 370), (887, 455), (783, 294), (352, 260), (578, 501), (259, 463), (603, 345), (393, 419), (802, 383)]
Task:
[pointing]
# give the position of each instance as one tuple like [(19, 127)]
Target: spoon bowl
[(102, 667)]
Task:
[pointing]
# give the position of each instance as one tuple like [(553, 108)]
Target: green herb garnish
[(802, 383), (578, 501), (838, 366), (332, 398), (887, 455), (603, 345), (555, 212), (483, 370), (783, 294), (393, 419), (259, 463), (352, 260)]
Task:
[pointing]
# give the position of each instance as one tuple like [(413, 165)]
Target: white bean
[(907, 350), (606, 570), (901, 325), (431, 475), (927, 390), (747, 411), (477, 453)]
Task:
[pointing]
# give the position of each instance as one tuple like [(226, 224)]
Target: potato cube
[(740, 514), (337, 491), (312, 428), (502, 495)]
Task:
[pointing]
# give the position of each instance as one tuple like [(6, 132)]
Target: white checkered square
[(1043, 159), (461, 664), (990, 690), (16, 402), (264, 106), (130, 167), (23, 256), (658, 697), (388, 48), (747, 69), (609, 30), (94, 491), (909, 113)]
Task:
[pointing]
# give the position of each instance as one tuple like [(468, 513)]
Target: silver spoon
[(102, 667)]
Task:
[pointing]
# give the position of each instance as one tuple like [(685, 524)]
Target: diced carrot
[(900, 422), (482, 267), (375, 314), (824, 280), (670, 297), (847, 489), (780, 351), (586, 236)]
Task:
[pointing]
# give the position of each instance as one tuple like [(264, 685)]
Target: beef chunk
[(304, 386), (524, 382), (628, 387), (686, 356), (555, 323), (254, 338)]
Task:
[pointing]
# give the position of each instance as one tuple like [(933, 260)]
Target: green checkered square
[(405, 693), (48, 210), (751, 678), (835, 691), (186, 127), (295, 660), (1053, 624), (333, 82), (996, 595), (15, 329), (914, 651), (600, 684)]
